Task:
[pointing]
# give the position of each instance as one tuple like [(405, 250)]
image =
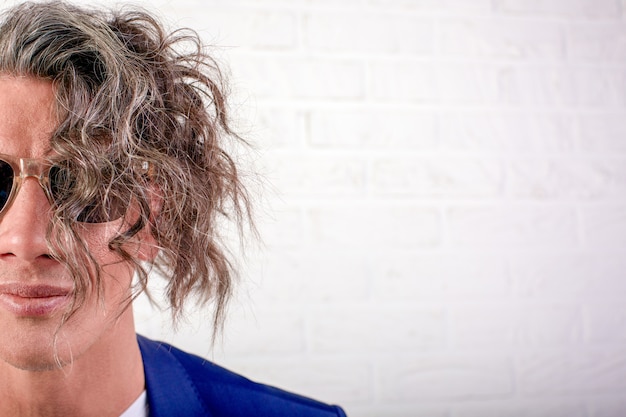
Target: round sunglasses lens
[(62, 183), (97, 212), (6, 182)]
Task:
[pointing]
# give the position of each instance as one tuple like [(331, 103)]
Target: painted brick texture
[(445, 229)]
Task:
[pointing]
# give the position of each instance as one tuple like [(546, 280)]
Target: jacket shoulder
[(225, 393)]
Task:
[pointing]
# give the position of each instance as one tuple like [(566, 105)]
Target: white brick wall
[(446, 231)]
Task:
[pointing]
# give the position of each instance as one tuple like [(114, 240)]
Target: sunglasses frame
[(24, 168), (39, 168)]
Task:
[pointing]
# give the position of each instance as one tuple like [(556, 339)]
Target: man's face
[(35, 290)]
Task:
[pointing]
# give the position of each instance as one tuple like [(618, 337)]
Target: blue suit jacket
[(182, 385)]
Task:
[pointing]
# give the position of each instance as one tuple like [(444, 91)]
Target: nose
[(23, 225)]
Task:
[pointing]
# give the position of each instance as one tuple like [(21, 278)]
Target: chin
[(34, 360), (34, 364), (38, 351)]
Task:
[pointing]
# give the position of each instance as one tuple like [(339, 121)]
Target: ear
[(147, 246)]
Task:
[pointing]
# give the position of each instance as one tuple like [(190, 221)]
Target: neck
[(103, 381)]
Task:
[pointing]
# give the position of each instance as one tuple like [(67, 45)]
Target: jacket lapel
[(171, 393)]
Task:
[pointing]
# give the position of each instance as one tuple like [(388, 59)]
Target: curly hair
[(129, 93)]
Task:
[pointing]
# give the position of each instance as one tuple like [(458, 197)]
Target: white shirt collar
[(139, 408)]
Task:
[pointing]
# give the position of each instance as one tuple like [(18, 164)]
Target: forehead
[(27, 115)]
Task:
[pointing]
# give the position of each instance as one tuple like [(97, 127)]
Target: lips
[(33, 300)]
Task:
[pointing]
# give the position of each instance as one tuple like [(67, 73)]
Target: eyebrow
[(47, 150)]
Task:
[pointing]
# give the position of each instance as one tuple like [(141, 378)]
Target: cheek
[(117, 282), (96, 238), (116, 273)]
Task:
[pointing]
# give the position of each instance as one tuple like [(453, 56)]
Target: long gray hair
[(129, 91)]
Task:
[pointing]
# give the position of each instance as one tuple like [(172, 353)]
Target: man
[(113, 162)]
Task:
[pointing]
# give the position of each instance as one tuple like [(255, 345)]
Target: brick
[(603, 132), (331, 3), (536, 227), (275, 128), (596, 42), (337, 381), (304, 277), (264, 332), (282, 76), (250, 330), (242, 27), (202, 4), (148, 321), (605, 225), (606, 321), (445, 377), (361, 226), (499, 38), (561, 179), (373, 32), (573, 371), (411, 277), (569, 276), (404, 410), (192, 334), (577, 8), (367, 330), (613, 171), (405, 80), (562, 407), (548, 85), (504, 326), (285, 229), (599, 87), (444, 235), (469, 83), (504, 132), (513, 84), (607, 406), (449, 6), (407, 4), (365, 128), (314, 175), (439, 178)]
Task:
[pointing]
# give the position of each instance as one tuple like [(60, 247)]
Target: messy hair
[(130, 94)]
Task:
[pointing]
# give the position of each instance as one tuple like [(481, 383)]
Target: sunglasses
[(57, 182)]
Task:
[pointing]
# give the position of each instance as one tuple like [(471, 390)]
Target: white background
[(445, 229)]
